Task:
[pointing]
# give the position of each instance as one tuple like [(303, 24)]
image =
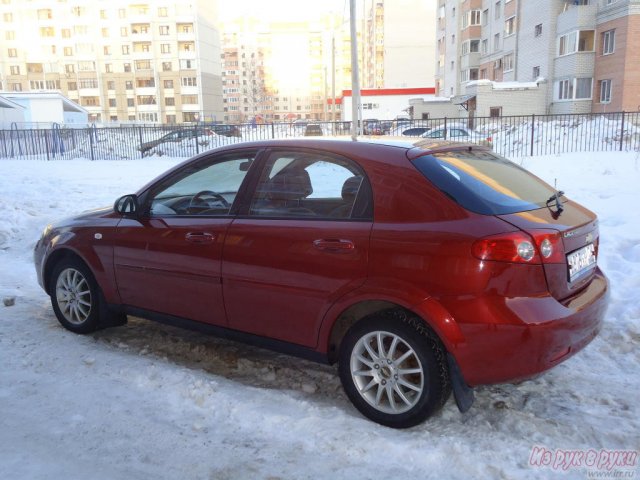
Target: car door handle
[(334, 245), (200, 237)]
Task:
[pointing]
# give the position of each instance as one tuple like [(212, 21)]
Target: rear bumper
[(511, 339)]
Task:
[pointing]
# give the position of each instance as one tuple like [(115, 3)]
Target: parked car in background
[(409, 131), (419, 266), (226, 130), (174, 137), (371, 126), (313, 130), (459, 133)]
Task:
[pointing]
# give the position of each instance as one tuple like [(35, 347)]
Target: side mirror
[(126, 205)]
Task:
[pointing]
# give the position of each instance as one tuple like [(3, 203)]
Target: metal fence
[(515, 136)]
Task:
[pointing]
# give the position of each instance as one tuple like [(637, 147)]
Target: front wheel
[(394, 370), (75, 296)]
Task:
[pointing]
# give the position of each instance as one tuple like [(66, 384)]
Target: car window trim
[(204, 162), (260, 165)]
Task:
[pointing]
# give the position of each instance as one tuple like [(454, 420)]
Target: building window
[(168, 83), (10, 35), (485, 17), (485, 46), (453, 39), (126, 67), (72, 86), (510, 26), (105, 33), (605, 91), (89, 83), (122, 13), (189, 82), (165, 48), (473, 74), (583, 88), (608, 42), (166, 66), (164, 30), (12, 52), (124, 31), (471, 18), (537, 30), (187, 64), (8, 17), (496, 42), (169, 101), (578, 41), (495, 112), (106, 50), (126, 49), (15, 70), (189, 99), (508, 62), (130, 102), (474, 46), (497, 10), (69, 68), (536, 72), (128, 85), (575, 89), (112, 102), (111, 85), (565, 90), (171, 119), (108, 68), (189, 116), (162, 11)]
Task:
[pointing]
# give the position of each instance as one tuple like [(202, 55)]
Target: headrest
[(350, 188), (290, 185)]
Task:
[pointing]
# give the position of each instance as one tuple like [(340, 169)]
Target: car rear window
[(484, 182)]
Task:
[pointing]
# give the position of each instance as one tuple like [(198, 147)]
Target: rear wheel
[(394, 370), (75, 296)]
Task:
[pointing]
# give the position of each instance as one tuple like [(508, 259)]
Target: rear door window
[(484, 182)]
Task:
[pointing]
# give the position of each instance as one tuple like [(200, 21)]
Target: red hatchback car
[(419, 267)]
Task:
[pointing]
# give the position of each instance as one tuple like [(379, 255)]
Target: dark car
[(226, 130), (313, 130), (174, 137), (420, 267)]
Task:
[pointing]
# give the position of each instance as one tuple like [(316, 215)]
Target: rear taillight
[(535, 247)]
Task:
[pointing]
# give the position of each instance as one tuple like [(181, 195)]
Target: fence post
[(533, 126), (140, 138), (273, 130), (445, 128), (622, 131), (196, 137), (90, 132), (46, 143)]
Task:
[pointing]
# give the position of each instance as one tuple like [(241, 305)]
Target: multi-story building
[(581, 55), (398, 43), (282, 70), (123, 60)]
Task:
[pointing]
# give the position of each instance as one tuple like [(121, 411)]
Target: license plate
[(581, 261)]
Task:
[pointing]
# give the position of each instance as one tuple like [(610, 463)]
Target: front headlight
[(46, 230)]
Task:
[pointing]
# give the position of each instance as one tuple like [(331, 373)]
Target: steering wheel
[(197, 200)]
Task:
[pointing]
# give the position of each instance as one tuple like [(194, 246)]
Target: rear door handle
[(200, 237), (334, 245)]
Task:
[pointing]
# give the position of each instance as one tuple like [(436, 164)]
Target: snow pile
[(151, 401)]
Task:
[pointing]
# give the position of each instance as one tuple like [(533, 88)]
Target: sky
[(285, 10)]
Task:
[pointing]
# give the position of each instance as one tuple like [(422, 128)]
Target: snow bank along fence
[(515, 136)]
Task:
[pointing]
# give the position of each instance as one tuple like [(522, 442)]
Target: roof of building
[(67, 104)]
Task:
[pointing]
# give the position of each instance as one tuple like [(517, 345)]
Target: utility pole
[(333, 84), (355, 81)]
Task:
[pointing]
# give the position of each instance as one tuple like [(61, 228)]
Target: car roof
[(417, 146)]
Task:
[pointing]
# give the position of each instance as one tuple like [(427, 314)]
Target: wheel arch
[(429, 312), (56, 257)]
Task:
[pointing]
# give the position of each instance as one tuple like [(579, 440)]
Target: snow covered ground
[(150, 401)]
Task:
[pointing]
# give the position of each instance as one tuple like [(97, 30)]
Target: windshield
[(484, 182)]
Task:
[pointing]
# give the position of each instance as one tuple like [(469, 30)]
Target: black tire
[(75, 296), (384, 387)]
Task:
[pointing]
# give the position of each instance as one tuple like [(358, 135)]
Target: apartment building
[(123, 61), (556, 56), (398, 43), (282, 70)]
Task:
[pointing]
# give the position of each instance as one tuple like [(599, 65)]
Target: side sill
[(222, 332)]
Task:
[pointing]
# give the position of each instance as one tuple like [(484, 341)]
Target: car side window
[(311, 186), (436, 134), (456, 132), (208, 189)]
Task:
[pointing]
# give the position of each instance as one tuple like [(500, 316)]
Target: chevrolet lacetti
[(419, 267)]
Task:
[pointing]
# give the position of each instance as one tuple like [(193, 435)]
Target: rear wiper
[(556, 196)]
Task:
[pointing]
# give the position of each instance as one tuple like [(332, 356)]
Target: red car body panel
[(291, 280)]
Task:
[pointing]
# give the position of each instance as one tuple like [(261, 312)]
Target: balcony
[(577, 16)]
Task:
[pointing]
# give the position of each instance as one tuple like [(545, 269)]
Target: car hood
[(95, 217)]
